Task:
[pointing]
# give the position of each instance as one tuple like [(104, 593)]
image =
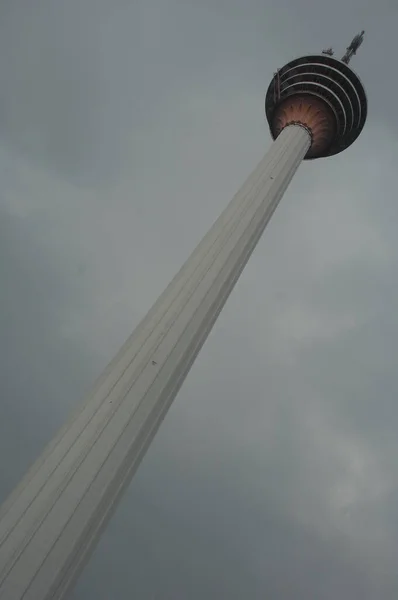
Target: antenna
[(353, 47)]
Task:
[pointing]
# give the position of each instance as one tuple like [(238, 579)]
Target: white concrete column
[(53, 519)]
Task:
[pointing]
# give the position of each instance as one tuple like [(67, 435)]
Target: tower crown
[(322, 94)]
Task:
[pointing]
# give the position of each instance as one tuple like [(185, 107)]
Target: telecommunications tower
[(316, 107)]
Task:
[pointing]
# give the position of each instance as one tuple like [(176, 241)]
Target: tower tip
[(353, 47)]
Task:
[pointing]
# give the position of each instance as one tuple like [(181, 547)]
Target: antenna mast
[(353, 47)]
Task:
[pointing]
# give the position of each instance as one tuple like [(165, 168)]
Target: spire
[(353, 47)]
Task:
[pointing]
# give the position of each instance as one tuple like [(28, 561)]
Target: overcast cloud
[(125, 128)]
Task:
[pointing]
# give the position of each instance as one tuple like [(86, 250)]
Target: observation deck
[(322, 94)]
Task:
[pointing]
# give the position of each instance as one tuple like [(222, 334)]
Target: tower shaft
[(53, 519)]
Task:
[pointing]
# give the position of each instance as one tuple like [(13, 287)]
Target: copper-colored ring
[(312, 113)]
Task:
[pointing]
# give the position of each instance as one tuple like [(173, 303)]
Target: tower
[(316, 107)]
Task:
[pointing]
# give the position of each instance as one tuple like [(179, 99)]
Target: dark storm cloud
[(61, 104), (274, 474), (42, 375), (80, 81)]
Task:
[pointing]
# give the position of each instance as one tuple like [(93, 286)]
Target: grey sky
[(125, 128)]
